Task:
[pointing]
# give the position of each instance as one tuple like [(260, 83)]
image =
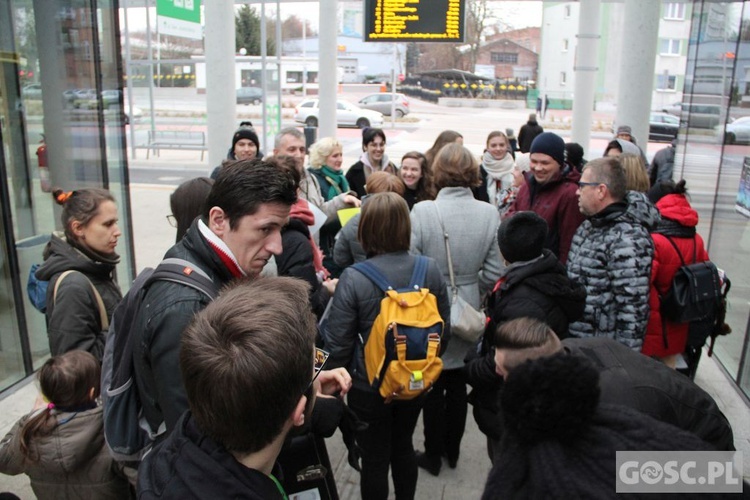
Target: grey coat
[(611, 256), (347, 250), (472, 230)]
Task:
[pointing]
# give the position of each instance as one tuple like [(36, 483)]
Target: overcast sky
[(516, 14)]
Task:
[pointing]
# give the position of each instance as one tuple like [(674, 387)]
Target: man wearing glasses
[(611, 255), (251, 375)]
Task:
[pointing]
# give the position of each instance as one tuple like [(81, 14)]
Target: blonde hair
[(322, 150), (636, 177)]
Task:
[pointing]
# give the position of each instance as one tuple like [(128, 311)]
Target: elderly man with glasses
[(611, 255)]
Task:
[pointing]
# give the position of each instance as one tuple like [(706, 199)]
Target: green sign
[(180, 18)]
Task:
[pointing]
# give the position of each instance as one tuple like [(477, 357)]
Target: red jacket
[(676, 208), (556, 202)]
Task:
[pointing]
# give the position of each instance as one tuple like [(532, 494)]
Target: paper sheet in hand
[(320, 218), (345, 214)]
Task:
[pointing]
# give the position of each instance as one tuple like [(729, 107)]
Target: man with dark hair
[(550, 191), (248, 365), (625, 378), (239, 230), (611, 255)]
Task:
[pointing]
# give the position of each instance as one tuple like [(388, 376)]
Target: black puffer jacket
[(631, 379), (73, 319), (166, 311), (296, 260), (537, 289)]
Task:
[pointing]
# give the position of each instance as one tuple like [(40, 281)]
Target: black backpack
[(127, 432), (695, 292), (698, 296)]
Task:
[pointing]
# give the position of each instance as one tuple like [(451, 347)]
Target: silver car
[(382, 103), (347, 115)]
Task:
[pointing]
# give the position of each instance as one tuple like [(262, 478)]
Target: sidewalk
[(465, 482)]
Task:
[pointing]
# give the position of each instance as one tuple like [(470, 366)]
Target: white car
[(738, 132), (347, 115)]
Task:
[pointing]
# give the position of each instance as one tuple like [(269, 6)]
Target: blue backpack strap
[(420, 272), (372, 273)]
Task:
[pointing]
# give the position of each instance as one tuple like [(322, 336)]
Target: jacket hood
[(83, 437), (629, 147), (549, 277), (190, 462), (639, 210), (60, 256), (676, 207)]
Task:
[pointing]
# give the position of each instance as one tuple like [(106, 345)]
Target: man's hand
[(334, 381), (352, 200)]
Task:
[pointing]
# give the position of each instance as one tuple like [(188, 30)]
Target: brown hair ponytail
[(66, 381)]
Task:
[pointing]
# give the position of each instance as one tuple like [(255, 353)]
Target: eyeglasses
[(321, 357), (582, 184), (172, 220)]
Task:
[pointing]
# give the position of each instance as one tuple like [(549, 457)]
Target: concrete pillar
[(585, 71), (637, 63), (327, 79), (220, 79)]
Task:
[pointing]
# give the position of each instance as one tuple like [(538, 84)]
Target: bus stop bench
[(176, 139)]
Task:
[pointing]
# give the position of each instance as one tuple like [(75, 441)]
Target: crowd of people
[(567, 257)]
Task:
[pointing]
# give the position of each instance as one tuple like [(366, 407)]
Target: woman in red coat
[(676, 231)]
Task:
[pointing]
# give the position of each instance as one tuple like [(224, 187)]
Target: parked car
[(32, 91), (696, 115), (738, 132), (382, 103), (111, 98), (249, 95), (662, 127), (347, 115)]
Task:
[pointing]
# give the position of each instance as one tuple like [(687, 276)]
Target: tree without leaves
[(292, 28), (477, 14)]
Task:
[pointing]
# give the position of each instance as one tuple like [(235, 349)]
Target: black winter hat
[(549, 144), (560, 442), (245, 133), (521, 237)]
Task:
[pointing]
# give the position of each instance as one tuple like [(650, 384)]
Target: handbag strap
[(454, 289), (103, 320)]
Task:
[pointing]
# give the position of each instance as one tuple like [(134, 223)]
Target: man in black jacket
[(255, 344), (528, 132), (239, 230), (626, 378)]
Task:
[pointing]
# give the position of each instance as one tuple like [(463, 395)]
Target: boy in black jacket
[(534, 285)]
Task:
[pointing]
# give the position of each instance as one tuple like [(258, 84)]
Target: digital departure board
[(414, 20)]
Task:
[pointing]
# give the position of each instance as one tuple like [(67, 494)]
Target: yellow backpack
[(402, 353)]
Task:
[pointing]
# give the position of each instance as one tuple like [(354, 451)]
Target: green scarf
[(336, 180)]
